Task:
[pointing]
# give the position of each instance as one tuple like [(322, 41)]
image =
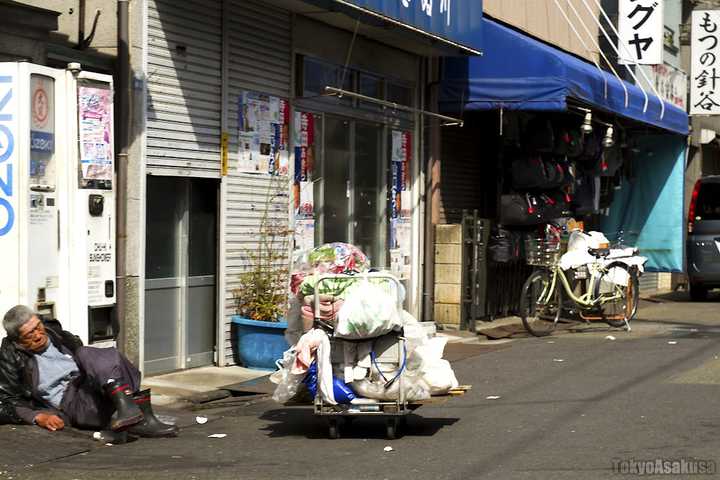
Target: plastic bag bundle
[(413, 384), (287, 382), (337, 258), (370, 310)]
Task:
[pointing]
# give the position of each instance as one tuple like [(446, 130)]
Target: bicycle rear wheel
[(625, 304), (539, 307)]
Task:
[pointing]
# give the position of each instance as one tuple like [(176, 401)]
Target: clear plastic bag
[(288, 383)]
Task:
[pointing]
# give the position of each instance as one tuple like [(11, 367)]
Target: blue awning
[(520, 73)]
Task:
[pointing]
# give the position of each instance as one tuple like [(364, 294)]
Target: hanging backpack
[(520, 209), (528, 172), (503, 245), (539, 136)]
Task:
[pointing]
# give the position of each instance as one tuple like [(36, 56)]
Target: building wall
[(105, 39), (543, 19)]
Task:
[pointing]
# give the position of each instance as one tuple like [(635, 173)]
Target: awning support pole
[(587, 49), (642, 72), (449, 121), (597, 44)]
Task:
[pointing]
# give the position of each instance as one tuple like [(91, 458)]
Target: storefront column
[(432, 188)]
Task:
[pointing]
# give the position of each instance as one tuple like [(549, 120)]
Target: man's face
[(33, 336)]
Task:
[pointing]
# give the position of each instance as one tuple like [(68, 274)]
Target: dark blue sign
[(458, 21), (42, 141)]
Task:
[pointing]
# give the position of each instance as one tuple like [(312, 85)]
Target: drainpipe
[(122, 140), (432, 193)]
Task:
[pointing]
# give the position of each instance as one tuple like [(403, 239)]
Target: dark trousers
[(85, 404)]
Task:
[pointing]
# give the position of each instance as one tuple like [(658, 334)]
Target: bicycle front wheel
[(540, 304), (624, 286)]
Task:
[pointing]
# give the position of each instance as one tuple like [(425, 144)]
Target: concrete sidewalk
[(179, 388)]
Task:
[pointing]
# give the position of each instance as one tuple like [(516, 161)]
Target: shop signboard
[(458, 21), (705, 63), (641, 28), (671, 83)]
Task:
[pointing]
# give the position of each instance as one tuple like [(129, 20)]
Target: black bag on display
[(591, 158), (520, 209), (503, 245), (584, 200), (539, 136), (528, 172), (556, 204), (612, 160), (568, 142), (555, 174)]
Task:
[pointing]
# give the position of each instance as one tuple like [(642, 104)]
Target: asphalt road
[(570, 406)]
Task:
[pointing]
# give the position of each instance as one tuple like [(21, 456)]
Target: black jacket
[(19, 399)]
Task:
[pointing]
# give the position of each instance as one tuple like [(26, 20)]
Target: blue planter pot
[(259, 344)]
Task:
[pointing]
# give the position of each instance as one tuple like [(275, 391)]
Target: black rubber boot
[(127, 413), (150, 427)]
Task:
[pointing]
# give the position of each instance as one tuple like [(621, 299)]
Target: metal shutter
[(184, 55), (260, 56), (648, 283)]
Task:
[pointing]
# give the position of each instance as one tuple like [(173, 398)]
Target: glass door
[(351, 196), (180, 273), (369, 188)]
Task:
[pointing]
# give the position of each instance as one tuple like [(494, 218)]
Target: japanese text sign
[(456, 20), (704, 85), (641, 28)]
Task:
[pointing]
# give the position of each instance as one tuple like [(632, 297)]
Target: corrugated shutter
[(260, 60), (648, 283), (468, 178), (184, 87)]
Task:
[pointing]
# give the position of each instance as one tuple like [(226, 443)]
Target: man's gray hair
[(15, 318)]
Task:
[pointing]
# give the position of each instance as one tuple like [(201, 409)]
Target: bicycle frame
[(585, 301)]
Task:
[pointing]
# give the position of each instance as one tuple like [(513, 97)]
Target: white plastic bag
[(436, 372), (370, 310), (286, 381), (414, 388)]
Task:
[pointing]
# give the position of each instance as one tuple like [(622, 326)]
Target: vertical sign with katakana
[(704, 84), (641, 27)]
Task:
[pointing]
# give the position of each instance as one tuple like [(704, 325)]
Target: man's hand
[(49, 421)]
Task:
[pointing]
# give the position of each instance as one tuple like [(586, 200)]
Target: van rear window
[(708, 202)]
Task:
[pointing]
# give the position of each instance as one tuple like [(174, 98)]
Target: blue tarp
[(649, 207), (520, 73)]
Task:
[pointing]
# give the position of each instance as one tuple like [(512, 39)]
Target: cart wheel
[(333, 430), (391, 428)]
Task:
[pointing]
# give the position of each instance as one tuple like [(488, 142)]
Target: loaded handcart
[(383, 359)]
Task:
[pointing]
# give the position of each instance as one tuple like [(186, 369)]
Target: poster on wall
[(641, 27), (401, 153), (95, 116), (303, 186), (263, 123), (400, 204), (705, 63)]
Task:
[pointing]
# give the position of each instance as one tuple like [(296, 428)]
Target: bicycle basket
[(542, 252)]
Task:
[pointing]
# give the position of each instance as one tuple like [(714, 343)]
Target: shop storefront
[(560, 138), (326, 99)]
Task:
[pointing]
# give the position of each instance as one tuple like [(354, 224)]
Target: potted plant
[(261, 295)]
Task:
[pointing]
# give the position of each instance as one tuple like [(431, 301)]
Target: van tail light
[(693, 204)]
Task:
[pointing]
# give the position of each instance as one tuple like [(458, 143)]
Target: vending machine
[(57, 227)]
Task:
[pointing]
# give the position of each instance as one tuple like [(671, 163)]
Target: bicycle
[(610, 293)]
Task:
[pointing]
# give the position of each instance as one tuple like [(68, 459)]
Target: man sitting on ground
[(52, 380)]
